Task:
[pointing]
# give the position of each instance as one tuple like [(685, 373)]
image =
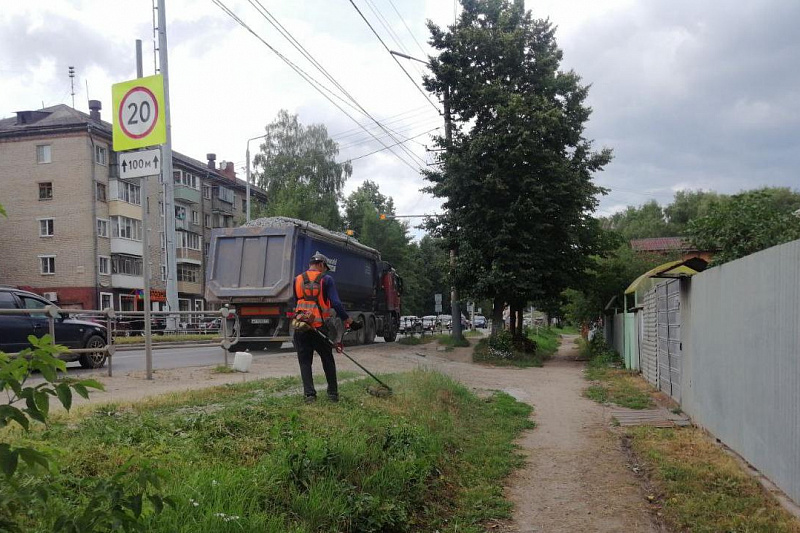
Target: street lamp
[(247, 172)]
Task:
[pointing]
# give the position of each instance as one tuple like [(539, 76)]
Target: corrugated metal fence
[(741, 359)]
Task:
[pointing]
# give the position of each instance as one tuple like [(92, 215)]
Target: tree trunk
[(520, 321), (512, 320), (497, 316)]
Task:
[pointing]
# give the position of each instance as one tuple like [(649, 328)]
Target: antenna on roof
[(72, 84), (87, 88)]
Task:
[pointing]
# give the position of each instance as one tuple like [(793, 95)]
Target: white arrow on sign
[(139, 164)]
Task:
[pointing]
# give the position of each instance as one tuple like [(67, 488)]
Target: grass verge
[(240, 458), (613, 384), (546, 339), (443, 339), (499, 350), (700, 488), (166, 338)]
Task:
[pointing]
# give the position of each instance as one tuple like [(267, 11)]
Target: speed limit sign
[(139, 113)]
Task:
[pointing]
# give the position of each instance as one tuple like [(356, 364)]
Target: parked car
[(135, 326), (447, 321), (431, 323), (480, 321), (70, 332), (410, 324)]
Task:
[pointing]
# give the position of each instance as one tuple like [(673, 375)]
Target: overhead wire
[(407, 28), (382, 149), (388, 120), (307, 77), (269, 17), (407, 126), (388, 27), (394, 58)]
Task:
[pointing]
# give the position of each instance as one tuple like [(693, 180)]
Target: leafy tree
[(747, 223), (645, 221), (297, 167), (689, 205), (517, 178)]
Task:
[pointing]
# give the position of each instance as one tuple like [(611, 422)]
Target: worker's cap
[(320, 258)]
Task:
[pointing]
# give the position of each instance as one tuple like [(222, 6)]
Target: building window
[(47, 264), (128, 192), (46, 227), (106, 300), (207, 192), (128, 265), (226, 195), (46, 190), (195, 218), (163, 272), (127, 302), (189, 273), (104, 264), (100, 155), (180, 212), (102, 227), (126, 228), (101, 192), (207, 219), (43, 153)]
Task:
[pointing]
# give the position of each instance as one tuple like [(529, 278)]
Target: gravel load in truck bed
[(282, 222)]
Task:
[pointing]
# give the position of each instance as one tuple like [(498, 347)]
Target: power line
[(390, 120), (308, 78), (382, 149), (401, 132), (407, 28), (269, 17), (394, 58)]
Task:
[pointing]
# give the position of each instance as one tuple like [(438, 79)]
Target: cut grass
[(432, 457), (700, 488), (443, 339), (612, 384)]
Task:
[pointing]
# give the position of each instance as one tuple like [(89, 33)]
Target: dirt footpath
[(575, 479)]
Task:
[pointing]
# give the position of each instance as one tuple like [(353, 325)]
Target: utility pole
[(166, 170), (148, 331), (455, 307)]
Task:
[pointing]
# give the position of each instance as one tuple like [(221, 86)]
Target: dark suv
[(72, 333)]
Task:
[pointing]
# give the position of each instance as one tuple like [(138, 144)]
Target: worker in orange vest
[(316, 297)]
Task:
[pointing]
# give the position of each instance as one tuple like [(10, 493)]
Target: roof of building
[(660, 244), (62, 118)]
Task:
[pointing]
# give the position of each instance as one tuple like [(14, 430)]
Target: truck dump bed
[(258, 262)]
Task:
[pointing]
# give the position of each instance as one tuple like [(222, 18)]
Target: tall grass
[(240, 458)]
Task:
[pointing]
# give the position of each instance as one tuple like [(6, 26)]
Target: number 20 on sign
[(138, 107)]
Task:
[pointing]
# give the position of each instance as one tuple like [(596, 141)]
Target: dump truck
[(251, 270)]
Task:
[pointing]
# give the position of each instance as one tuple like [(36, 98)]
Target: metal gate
[(669, 346), (649, 341)]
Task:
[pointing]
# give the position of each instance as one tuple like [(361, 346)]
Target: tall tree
[(297, 167), (517, 178), (747, 223)]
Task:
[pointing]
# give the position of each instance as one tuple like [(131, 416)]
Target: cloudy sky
[(688, 94)]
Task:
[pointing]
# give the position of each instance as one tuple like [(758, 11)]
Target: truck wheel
[(93, 359), (369, 334), (390, 332)]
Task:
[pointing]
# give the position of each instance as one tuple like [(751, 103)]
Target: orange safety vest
[(308, 290)]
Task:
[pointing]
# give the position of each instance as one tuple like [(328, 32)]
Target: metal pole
[(148, 332), (109, 333), (248, 180), (455, 307), (166, 169)]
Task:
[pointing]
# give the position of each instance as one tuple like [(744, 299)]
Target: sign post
[(139, 123)]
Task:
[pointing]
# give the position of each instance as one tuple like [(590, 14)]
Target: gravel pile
[(282, 222)]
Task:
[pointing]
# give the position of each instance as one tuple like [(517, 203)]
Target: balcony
[(219, 206), (188, 287), (186, 194), (126, 246), (124, 281), (184, 224), (187, 255)]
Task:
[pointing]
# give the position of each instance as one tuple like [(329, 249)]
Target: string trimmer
[(381, 392)]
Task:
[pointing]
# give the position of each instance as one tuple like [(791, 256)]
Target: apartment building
[(74, 229)]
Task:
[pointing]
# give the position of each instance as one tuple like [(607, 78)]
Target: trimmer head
[(379, 391)]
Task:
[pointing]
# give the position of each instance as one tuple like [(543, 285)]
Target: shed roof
[(660, 244), (672, 269)]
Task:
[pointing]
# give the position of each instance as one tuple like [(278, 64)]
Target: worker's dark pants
[(306, 343)]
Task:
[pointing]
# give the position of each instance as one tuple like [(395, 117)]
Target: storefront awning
[(673, 269)]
